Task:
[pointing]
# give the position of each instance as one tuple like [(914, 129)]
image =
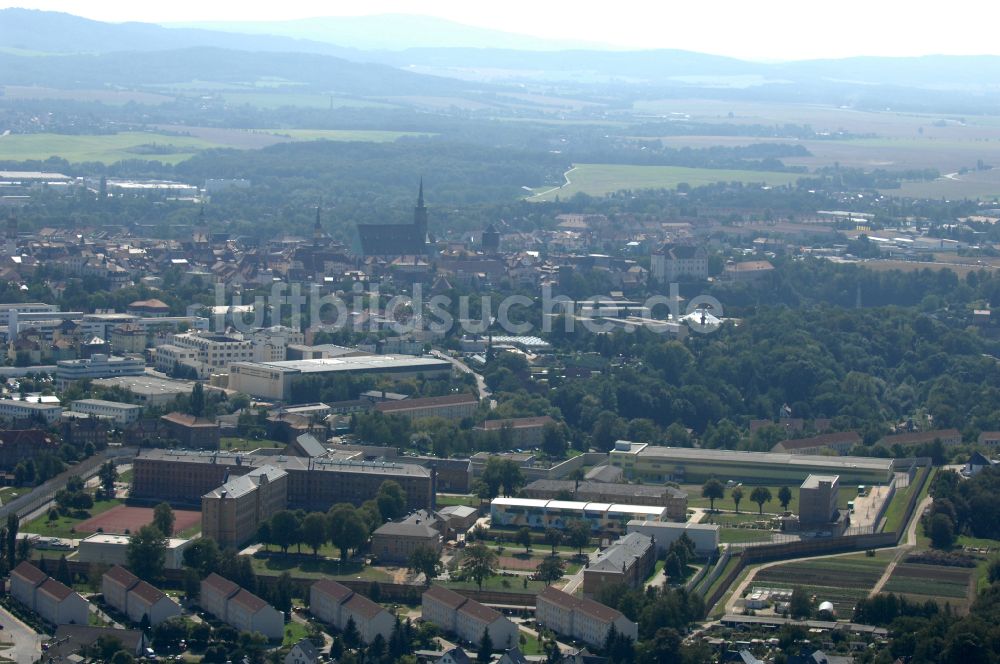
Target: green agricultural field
[(601, 179), (366, 135), (842, 580), (169, 148), (272, 100), (105, 148), (973, 184), (931, 581)]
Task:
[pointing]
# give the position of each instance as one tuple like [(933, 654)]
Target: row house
[(50, 599), (338, 605), (467, 618), (127, 593), (240, 608), (580, 618)]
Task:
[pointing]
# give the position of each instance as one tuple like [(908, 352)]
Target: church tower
[(317, 229), (420, 214), (10, 243)]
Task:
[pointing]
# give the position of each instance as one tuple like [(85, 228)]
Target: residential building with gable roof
[(239, 607), (135, 598), (303, 652), (467, 618), (580, 618), (47, 597), (336, 604)]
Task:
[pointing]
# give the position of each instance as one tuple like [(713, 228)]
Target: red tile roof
[(582, 604), (29, 573), (122, 576), (55, 589), (221, 585), (445, 596), (147, 593), (428, 402), (335, 591), (480, 612), (516, 423), (249, 601), (363, 606)]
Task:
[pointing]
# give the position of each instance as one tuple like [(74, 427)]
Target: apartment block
[(629, 561), (231, 513), (135, 598), (948, 438), (97, 366), (449, 407), (313, 483), (674, 499), (51, 600), (466, 618), (122, 414), (518, 431), (580, 618), (240, 608), (17, 411), (19, 444), (336, 604), (602, 517), (192, 432)]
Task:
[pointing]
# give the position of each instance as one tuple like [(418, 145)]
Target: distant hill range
[(391, 32), (361, 55)]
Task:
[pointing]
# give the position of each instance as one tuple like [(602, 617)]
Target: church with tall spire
[(397, 239)]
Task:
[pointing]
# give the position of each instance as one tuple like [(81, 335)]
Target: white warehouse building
[(664, 533), (122, 414)]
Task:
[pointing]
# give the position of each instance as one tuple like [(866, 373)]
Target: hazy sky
[(771, 29)]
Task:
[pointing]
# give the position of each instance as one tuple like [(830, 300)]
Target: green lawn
[(719, 609), (447, 499), (530, 645), (726, 504), (63, 526), (894, 513), (740, 535), (515, 584), (294, 632), (319, 567), (9, 493), (246, 444), (601, 179), (733, 519)]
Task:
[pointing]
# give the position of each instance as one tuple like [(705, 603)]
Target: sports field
[(601, 179), (124, 519)]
